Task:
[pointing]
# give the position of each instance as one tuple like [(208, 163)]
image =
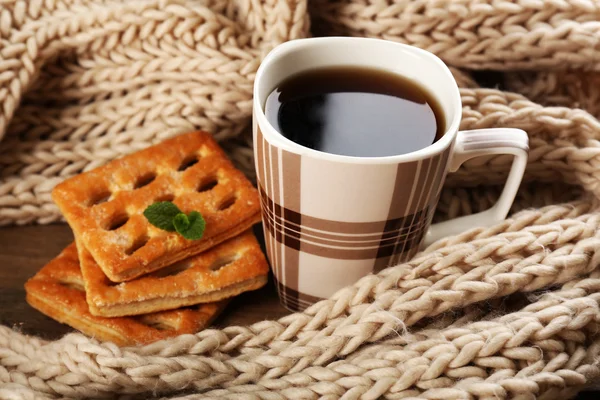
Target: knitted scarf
[(508, 311)]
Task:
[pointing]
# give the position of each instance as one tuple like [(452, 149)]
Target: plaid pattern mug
[(330, 219)]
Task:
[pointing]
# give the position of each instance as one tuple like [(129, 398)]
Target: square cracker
[(235, 266), (57, 291), (104, 206)]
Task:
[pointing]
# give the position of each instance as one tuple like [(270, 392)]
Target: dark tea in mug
[(355, 111)]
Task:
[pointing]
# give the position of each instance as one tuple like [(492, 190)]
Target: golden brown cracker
[(235, 266), (104, 206), (57, 290)]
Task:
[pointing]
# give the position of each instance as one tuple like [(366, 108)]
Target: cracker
[(104, 207), (57, 291), (233, 267)]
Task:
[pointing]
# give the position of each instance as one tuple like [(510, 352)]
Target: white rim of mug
[(277, 139)]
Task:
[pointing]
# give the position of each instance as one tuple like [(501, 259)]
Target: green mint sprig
[(168, 217)]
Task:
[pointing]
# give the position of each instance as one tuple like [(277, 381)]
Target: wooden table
[(24, 250)]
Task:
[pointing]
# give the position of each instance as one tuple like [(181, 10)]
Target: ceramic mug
[(330, 219)]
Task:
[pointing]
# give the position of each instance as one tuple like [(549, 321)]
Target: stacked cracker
[(130, 282)]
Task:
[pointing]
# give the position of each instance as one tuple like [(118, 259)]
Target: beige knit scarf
[(516, 305)]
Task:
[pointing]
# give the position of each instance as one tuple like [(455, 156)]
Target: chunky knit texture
[(508, 311)]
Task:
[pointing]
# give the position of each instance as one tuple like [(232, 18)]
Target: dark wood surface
[(24, 250)]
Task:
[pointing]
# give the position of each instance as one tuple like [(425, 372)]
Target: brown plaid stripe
[(356, 241), (293, 299)]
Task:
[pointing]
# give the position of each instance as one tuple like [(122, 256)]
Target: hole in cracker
[(144, 180), (117, 221), (72, 285), (227, 203), (165, 197), (207, 184), (188, 162), (172, 270), (137, 244), (223, 262), (155, 324), (100, 197)]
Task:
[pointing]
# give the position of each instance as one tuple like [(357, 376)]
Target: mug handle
[(481, 142)]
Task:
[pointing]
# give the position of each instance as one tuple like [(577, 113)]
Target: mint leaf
[(161, 215), (167, 216), (196, 228), (181, 223)]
